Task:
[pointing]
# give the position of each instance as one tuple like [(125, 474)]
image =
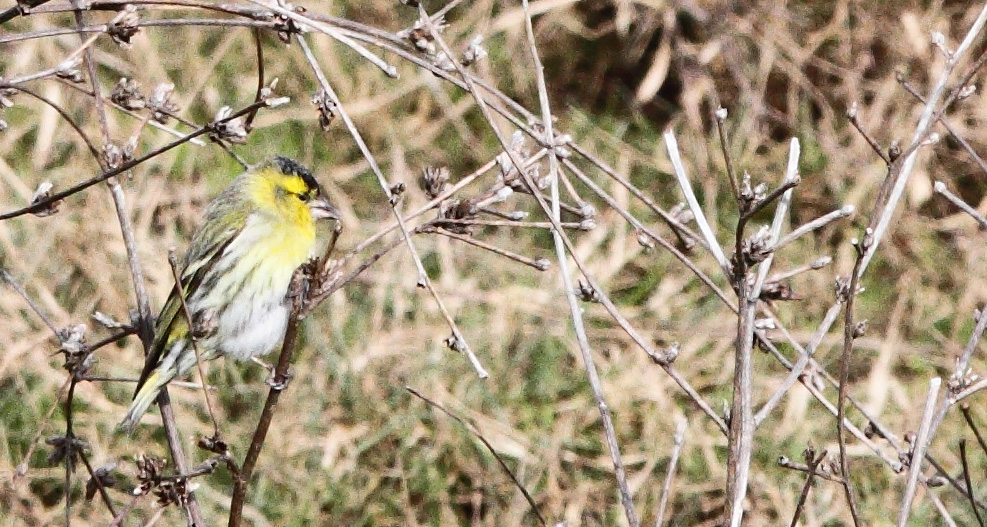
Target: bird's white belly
[(256, 280), (249, 329)]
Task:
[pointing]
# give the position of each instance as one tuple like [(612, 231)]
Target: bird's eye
[(302, 197)]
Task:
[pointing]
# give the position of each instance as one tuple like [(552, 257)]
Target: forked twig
[(423, 279), (812, 464)]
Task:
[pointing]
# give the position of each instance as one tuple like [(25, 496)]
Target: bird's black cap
[(291, 167)]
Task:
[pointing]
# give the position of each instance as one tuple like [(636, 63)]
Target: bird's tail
[(144, 397)]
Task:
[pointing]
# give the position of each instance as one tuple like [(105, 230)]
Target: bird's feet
[(279, 384)]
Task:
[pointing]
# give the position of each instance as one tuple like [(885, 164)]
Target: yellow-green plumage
[(236, 274)]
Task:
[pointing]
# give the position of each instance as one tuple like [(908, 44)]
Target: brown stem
[(280, 379)]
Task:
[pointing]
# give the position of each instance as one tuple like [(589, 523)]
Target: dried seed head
[(397, 190), (285, 25), (72, 343), (894, 151), (267, 92), (124, 28), (586, 292), (65, 449), (326, 107), (587, 210), (757, 247), (232, 130), (112, 155), (780, 291), (69, 70), (760, 192), (102, 476), (42, 193), (508, 172), (73, 338), (435, 180), (860, 329), (127, 93), (455, 343), (842, 287), (475, 52), (961, 380), (672, 352), (160, 102), (645, 241), (420, 37)]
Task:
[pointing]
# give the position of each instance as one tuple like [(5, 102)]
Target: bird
[(235, 275)]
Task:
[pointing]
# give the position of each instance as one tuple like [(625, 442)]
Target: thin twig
[(575, 311), (690, 197), (476, 432), (943, 511), (124, 167), (30, 301), (540, 264), (193, 340), (583, 226), (259, 47), (855, 121), (771, 196), (965, 410), (818, 263), (103, 494), (666, 488), (960, 385), (949, 127), (42, 204), (784, 462), (423, 278), (720, 115), (796, 370), (812, 465), (941, 189), (849, 335), (969, 482), (818, 223), (918, 453)]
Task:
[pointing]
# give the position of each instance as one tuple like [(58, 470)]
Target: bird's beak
[(323, 210)]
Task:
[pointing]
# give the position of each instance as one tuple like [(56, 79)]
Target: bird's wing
[(206, 249)]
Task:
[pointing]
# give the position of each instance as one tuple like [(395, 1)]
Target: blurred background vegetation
[(350, 446)]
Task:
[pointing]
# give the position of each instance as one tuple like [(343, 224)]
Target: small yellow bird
[(236, 274)]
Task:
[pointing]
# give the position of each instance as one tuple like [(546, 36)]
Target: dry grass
[(350, 446)]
